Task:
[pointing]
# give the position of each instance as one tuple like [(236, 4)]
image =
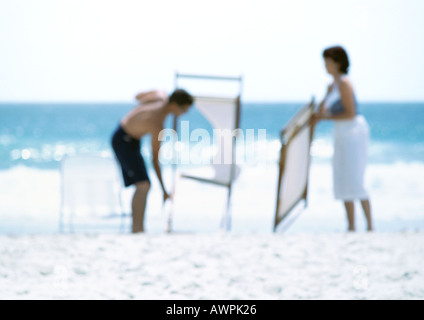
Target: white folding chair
[(223, 113), (91, 188), (294, 163)]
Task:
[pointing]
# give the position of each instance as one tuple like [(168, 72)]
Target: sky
[(109, 50)]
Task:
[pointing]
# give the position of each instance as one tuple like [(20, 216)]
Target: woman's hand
[(319, 116), (166, 196), (316, 117)]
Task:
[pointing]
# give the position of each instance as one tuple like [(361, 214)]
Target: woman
[(351, 135)]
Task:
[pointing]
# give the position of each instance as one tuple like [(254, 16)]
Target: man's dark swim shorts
[(127, 151)]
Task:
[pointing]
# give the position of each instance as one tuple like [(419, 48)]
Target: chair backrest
[(91, 186), (294, 162), (218, 99), (222, 111), (224, 116)]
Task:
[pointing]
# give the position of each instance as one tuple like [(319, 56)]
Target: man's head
[(180, 101)]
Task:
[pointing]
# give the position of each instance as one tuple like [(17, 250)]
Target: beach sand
[(213, 266), (313, 259)]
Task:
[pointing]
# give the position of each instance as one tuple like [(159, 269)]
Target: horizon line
[(253, 101)]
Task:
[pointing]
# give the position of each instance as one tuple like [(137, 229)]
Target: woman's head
[(336, 60)]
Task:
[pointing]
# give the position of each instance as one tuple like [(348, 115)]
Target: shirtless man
[(147, 118)]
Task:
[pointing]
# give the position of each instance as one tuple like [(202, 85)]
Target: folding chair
[(294, 163), (223, 113), (91, 187)]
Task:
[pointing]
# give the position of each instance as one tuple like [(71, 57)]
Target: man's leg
[(367, 210), (350, 210), (139, 205)]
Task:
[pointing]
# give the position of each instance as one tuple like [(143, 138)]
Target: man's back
[(148, 116)]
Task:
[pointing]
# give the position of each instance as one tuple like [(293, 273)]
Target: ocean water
[(39, 135), (34, 138)]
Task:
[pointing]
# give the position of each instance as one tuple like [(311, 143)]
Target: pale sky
[(108, 50)]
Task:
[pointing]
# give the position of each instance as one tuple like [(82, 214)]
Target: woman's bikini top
[(333, 102)]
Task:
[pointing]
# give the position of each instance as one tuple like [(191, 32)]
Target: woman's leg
[(367, 211), (350, 210)]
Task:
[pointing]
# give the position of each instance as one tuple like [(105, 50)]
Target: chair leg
[(226, 218), (61, 221)]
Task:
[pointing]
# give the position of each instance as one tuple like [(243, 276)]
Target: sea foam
[(30, 201)]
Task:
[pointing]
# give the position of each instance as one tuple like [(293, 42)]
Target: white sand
[(213, 266), (250, 263)]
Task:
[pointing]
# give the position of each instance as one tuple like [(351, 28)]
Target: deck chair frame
[(226, 219), (287, 138), (62, 195)]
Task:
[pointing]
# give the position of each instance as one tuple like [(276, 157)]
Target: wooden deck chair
[(91, 188), (294, 163), (223, 113)]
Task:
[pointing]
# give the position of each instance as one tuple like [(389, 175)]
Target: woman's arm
[(321, 109), (321, 105)]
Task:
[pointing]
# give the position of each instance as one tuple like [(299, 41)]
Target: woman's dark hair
[(181, 98), (338, 54)]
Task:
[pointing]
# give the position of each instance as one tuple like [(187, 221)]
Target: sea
[(36, 137)]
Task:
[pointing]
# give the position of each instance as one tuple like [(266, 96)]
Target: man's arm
[(151, 96), (155, 151)]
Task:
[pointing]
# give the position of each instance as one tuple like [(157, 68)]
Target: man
[(147, 118)]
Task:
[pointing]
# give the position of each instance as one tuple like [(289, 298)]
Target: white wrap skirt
[(351, 138)]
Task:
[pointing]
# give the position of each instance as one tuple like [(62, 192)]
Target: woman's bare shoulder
[(345, 83), (345, 80)]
